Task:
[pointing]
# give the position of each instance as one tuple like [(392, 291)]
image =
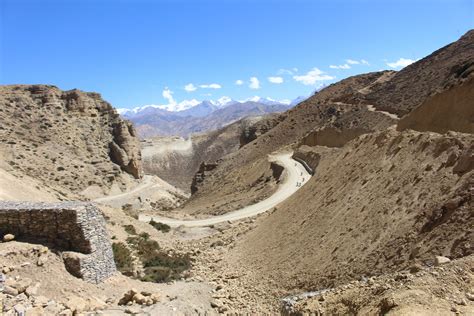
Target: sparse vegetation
[(123, 257), (130, 211), (144, 235), (160, 266), (130, 229), (160, 226)]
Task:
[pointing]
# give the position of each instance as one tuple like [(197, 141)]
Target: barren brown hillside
[(381, 203), (228, 182), (448, 66), (435, 114), (346, 107), (69, 140), (177, 160)]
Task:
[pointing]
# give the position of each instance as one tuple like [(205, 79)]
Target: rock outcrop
[(125, 148), (70, 140), (253, 127), (451, 110), (201, 175), (77, 229)]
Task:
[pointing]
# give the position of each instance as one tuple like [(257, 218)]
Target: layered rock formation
[(71, 140)]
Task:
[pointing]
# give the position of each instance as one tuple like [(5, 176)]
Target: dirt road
[(294, 173)]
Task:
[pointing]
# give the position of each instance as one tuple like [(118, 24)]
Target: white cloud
[(400, 63), (352, 62), (345, 66), (239, 82), (357, 62), (168, 95), (290, 72), (190, 87), (210, 86), (312, 77), (277, 80), (254, 83)]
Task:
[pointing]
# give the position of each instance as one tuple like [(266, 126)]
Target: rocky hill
[(383, 202), (447, 67), (384, 226), (391, 196), (73, 142), (176, 160), (232, 180), (337, 114)]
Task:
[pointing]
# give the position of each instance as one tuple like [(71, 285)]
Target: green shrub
[(144, 235), (160, 226), (177, 263), (159, 265), (130, 211), (157, 274), (130, 229), (145, 248), (123, 257)]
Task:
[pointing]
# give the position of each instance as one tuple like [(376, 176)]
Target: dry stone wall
[(77, 228)]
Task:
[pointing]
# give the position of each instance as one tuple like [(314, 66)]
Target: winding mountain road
[(146, 183), (293, 173)]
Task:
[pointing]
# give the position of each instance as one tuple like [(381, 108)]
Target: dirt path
[(294, 172), (372, 108), (147, 183)]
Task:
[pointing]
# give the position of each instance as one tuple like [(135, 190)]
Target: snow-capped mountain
[(193, 116), (183, 107)]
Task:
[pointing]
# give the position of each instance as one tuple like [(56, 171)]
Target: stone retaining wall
[(76, 228), (308, 158)]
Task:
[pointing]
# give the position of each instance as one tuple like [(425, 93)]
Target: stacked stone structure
[(75, 228)]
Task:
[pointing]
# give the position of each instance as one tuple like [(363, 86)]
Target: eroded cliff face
[(125, 148), (71, 140)]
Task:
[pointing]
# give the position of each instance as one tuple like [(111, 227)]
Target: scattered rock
[(439, 260), (127, 297), (133, 310), (10, 290), (19, 309), (460, 301), (76, 304), (42, 260), (40, 301), (66, 312), (20, 284), (139, 299), (32, 290), (35, 311), (470, 296), (8, 237)]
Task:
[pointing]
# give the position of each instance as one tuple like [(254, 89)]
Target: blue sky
[(142, 52)]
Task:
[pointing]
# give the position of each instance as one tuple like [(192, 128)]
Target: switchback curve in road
[(293, 173), (146, 183)]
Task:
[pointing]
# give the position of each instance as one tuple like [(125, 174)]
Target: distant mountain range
[(197, 117)]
